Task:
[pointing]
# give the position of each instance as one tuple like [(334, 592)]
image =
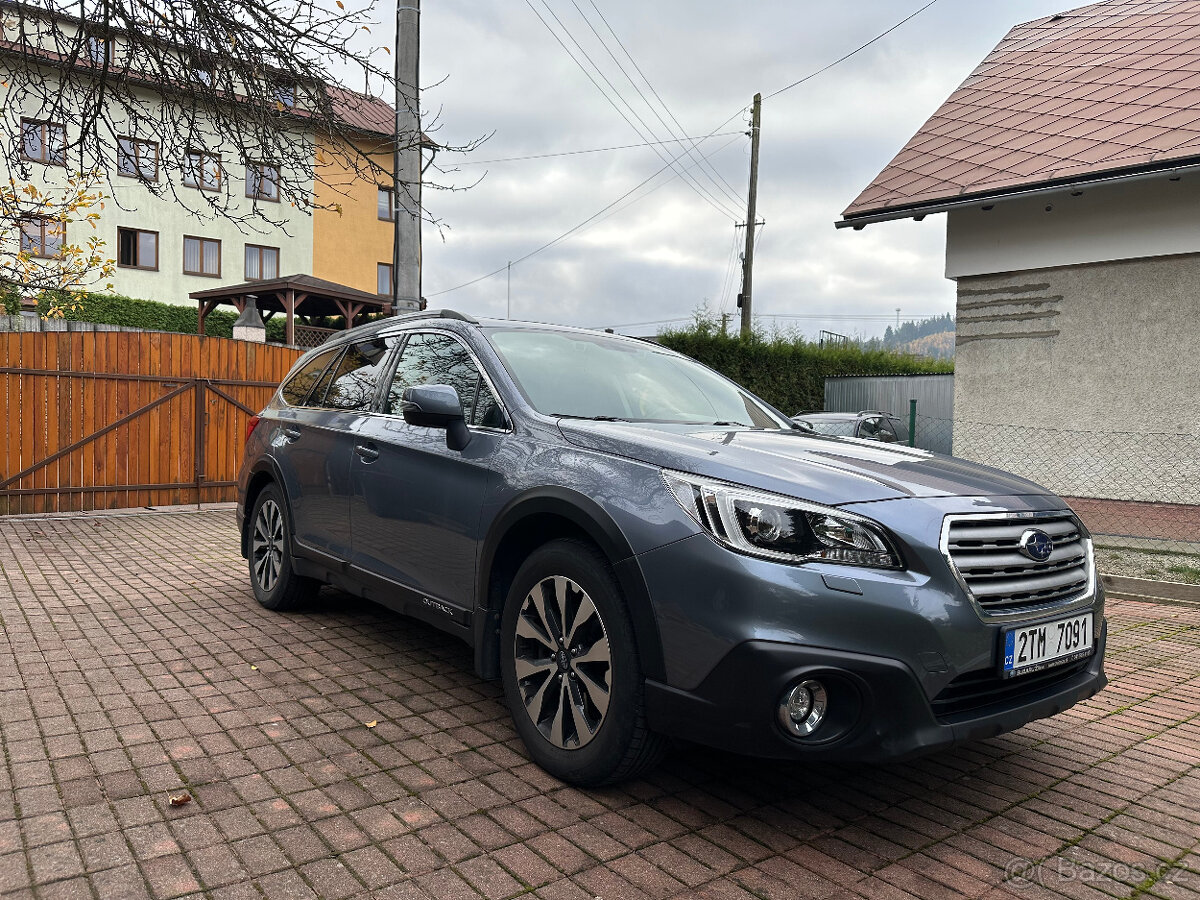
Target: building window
[(387, 204), (203, 75), (137, 159), (284, 95), (137, 249), (99, 50), (44, 142), (262, 181), (262, 263), (42, 237), (383, 277), (201, 256), (202, 170)]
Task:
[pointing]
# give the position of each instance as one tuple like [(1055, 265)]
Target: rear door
[(416, 504), (317, 445), (298, 446)]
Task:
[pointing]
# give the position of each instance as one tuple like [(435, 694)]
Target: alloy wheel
[(267, 545), (563, 662)]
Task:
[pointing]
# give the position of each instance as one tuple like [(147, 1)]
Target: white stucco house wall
[(169, 237), (1068, 166)]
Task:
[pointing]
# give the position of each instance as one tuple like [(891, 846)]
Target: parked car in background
[(639, 548), (869, 425)]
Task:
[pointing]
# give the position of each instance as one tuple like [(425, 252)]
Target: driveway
[(348, 752)]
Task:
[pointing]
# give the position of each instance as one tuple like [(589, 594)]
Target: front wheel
[(275, 582), (570, 667)]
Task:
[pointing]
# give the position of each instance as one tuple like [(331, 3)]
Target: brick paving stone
[(126, 677)]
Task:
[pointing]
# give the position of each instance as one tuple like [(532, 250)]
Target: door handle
[(292, 434), (366, 452)]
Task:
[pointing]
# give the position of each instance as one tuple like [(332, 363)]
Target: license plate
[(1032, 648)]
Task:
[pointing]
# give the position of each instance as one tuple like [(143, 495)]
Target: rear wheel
[(570, 668), (276, 584)]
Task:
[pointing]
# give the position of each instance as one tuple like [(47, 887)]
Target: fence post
[(912, 423), (201, 396)]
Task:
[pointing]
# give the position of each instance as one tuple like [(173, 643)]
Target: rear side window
[(440, 359), (352, 382), (300, 385)]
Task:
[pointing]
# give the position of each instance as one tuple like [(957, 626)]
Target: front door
[(416, 504)]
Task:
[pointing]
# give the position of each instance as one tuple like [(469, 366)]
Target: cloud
[(659, 257)]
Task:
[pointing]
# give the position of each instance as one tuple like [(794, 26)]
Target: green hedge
[(113, 309), (786, 371)]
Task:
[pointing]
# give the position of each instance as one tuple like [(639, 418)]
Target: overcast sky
[(495, 67)]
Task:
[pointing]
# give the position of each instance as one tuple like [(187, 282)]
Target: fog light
[(802, 709)]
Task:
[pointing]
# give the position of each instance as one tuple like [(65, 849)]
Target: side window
[(488, 412), (887, 434), (352, 385), (299, 385), (440, 359), (869, 429)]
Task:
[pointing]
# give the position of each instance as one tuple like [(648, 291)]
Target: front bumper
[(878, 710)]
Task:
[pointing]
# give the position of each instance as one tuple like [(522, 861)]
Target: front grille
[(1002, 580), (974, 692)]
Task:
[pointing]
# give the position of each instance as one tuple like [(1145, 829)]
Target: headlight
[(781, 528)]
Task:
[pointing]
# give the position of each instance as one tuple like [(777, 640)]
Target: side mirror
[(437, 406)]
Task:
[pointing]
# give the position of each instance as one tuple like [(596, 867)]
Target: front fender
[(589, 517)]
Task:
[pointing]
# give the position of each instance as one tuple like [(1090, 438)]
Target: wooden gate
[(117, 419)]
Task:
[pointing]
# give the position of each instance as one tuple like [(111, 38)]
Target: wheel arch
[(528, 522), (263, 473)]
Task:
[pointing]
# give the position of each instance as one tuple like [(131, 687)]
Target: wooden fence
[(103, 420)]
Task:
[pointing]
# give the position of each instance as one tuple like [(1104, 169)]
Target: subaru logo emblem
[(1037, 545)]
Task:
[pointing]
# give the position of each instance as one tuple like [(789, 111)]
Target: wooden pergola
[(287, 295)]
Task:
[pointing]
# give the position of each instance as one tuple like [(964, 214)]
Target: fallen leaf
[(180, 799), (254, 668), (372, 723)]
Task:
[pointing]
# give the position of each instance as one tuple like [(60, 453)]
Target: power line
[(695, 186), (864, 317), (581, 225), (698, 138), (665, 182), (670, 164), (721, 186), (853, 52), (723, 299)]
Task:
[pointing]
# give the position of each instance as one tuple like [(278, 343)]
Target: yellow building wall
[(347, 248)]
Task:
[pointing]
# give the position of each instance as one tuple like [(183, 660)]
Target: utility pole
[(724, 323), (406, 238), (751, 213), (508, 292), (897, 315)]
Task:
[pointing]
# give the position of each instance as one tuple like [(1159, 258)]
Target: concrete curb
[(1122, 586)]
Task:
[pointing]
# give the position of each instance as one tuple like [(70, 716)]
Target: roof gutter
[(920, 211)]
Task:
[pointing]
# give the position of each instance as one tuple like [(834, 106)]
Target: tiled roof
[(1108, 87), (362, 112)]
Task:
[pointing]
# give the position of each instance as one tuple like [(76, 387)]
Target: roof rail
[(873, 412), (437, 314)]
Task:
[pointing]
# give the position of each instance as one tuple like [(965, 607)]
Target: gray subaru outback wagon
[(640, 549)]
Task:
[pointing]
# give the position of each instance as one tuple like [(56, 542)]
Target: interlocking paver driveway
[(134, 664)]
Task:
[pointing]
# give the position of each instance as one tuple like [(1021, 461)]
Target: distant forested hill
[(929, 337)]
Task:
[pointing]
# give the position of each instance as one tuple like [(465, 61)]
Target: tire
[(601, 736), (276, 584)]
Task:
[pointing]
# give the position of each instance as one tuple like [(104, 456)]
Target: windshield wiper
[(590, 418), (738, 424)]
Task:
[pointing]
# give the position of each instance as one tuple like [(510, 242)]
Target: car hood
[(827, 470)]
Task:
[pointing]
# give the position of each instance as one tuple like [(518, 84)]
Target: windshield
[(843, 427), (589, 377)]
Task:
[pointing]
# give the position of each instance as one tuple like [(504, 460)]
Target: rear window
[(300, 385), (842, 427), (352, 385)]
